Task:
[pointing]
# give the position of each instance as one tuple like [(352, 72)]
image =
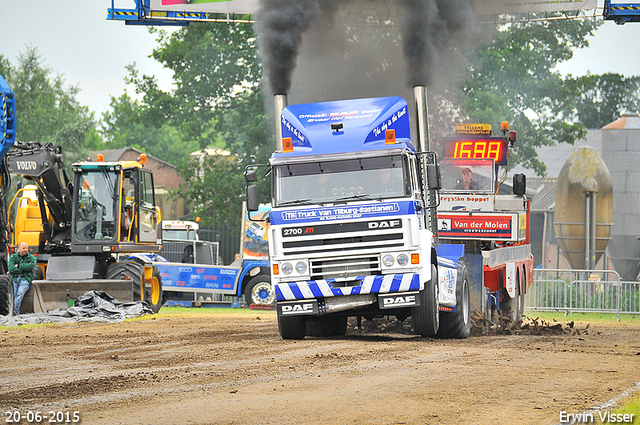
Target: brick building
[(165, 177)]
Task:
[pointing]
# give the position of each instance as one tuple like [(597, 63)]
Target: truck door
[(147, 213)]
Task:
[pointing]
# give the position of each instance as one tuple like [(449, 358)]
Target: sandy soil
[(235, 369)]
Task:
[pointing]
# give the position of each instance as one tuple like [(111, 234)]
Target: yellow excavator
[(82, 232)]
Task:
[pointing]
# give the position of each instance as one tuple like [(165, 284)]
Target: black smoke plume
[(427, 27)]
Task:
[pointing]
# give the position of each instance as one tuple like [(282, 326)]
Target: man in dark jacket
[(21, 266)]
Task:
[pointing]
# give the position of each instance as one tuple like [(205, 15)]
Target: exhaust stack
[(423, 143), (280, 102)]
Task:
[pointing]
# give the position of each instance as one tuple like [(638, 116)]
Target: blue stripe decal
[(279, 295), (329, 214), (415, 283), (315, 289), (377, 283), (395, 283), (296, 291)]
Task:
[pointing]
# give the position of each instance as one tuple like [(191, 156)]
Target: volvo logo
[(27, 165)]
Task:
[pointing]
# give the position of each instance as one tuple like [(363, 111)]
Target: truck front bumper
[(380, 284)]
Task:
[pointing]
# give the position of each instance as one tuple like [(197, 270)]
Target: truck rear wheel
[(292, 327), (457, 324), (6, 295), (426, 317), (129, 270), (259, 291), (153, 292)]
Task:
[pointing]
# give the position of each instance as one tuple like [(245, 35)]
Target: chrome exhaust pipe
[(423, 142), (280, 102)]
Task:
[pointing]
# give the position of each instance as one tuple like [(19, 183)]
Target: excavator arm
[(43, 165)]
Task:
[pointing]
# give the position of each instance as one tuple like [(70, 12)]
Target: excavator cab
[(114, 209)]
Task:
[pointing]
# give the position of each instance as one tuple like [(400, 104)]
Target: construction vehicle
[(83, 232), (621, 13), (493, 227), (8, 137)]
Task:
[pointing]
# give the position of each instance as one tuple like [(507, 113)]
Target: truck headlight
[(388, 260), (287, 268), (301, 267), (403, 259)]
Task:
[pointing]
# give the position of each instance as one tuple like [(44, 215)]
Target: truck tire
[(37, 273), (259, 291), (292, 327), (153, 292), (327, 326), (426, 317), (457, 324), (6, 295), (128, 270)]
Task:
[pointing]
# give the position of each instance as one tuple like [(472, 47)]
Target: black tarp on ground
[(93, 306)]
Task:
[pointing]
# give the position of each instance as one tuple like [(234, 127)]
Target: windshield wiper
[(360, 196), (295, 202)]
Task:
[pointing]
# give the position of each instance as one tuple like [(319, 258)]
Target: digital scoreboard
[(481, 148)]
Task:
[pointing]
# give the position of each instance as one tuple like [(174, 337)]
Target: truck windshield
[(330, 181), (179, 234), (475, 176)]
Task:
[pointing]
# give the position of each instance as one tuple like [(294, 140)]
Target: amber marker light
[(276, 269), (415, 258)]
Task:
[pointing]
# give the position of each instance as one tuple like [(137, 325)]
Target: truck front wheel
[(457, 324), (259, 291), (426, 317), (292, 327)]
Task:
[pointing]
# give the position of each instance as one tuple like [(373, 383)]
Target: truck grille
[(345, 267)]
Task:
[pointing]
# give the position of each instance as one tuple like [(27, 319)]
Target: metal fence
[(198, 252), (599, 291)]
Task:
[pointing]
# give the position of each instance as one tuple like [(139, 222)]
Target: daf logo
[(399, 301), (297, 308), (26, 165), (384, 224)]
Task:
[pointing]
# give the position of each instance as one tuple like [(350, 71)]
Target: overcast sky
[(75, 40)]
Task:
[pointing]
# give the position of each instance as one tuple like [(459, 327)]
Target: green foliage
[(214, 187), (47, 109), (513, 79), (125, 126), (601, 99)]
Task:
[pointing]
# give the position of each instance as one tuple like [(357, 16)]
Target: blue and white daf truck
[(353, 223)]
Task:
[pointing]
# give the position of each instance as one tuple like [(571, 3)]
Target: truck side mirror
[(250, 176), (519, 184), (434, 179), (253, 202)]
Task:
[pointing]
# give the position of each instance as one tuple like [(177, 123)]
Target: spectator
[(21, 266)]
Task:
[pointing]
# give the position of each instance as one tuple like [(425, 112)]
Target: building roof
[(544, 198), (626, 122), (554, 157), (114, 155)]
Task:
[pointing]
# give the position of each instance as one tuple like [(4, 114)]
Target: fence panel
[(582, 291)]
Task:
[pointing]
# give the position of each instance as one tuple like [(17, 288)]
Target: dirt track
[(234, 369)]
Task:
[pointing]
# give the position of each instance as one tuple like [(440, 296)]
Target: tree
[(125, 127), (512, 78), (47, 109), (601, 99)]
